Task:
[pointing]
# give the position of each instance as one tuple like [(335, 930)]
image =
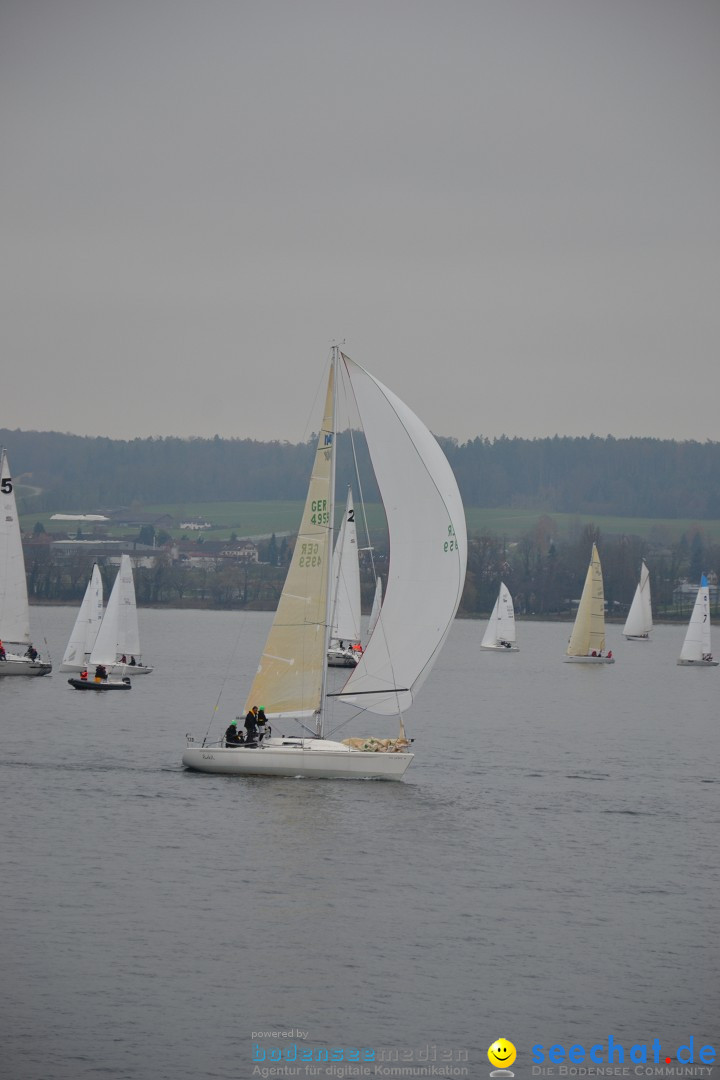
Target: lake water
[(548, 870)]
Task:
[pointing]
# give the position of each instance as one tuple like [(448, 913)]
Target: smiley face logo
[(502, 1053)]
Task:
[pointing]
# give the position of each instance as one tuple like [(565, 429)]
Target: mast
[(329, 548)]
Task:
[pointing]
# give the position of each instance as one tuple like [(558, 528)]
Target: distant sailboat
[(345, 648), (17, 653), (696, 647), (87, 624), (117, 645), (500, 635), (639, 622), (587, 641)]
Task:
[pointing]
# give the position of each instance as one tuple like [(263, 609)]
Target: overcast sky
[(508, 210)]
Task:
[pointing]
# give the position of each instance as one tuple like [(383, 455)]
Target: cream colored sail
[(290, 674), (588, 634)]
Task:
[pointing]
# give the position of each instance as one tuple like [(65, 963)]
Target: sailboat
[(500, 633), (345, 648), (17, 653), (117, 645), (696, 647), (427, 544), (587, 641), (87, 624), (639, 622)]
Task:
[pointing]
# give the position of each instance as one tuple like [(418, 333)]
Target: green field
[(256, 519)]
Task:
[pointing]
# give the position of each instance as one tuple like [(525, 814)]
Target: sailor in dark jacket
[(251, 724), (232, 736)]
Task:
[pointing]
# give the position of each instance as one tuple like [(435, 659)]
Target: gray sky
[(509, 210)]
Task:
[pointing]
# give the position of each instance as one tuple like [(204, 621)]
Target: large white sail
[(119, 633), (696, 646), (345, 608), (375, 609), (500, 631), (290, 675), (639, 620), (14, 611), (87, 624), (428, 549), (588, 633)]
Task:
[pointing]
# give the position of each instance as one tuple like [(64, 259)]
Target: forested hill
[(640, 477)]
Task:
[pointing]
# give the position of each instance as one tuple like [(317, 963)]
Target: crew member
[(233, 737)]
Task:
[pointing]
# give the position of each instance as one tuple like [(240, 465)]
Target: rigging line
[(226, 675)]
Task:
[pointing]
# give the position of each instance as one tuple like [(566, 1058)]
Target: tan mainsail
[(289, 676), (588, 634)]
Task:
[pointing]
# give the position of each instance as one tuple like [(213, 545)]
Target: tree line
[(638, 477), (545, 574)]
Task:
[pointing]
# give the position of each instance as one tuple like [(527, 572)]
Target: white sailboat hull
[(23, 665), (313, 758), (636, 637), (698, 663), (342, 658), (113, 669), (500, 648), (589, 659)]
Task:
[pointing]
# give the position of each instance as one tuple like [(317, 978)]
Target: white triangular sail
[(290, 675), (345, 607), (639, 620), (87, 624), (428, 549), (500, 631), (588, 633), (696, 646), (375, 609), (14, 610), (119, 634)]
